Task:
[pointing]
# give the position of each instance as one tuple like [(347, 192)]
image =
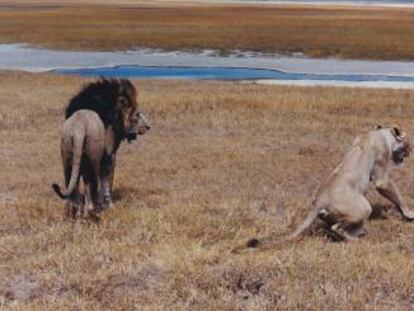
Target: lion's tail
[(74, 176), (308, 221), (270, 242)]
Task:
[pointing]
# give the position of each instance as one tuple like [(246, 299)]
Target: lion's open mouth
[(131, 137), (399, 155)]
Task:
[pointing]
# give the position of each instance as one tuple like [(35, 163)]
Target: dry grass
[(366, 33), (223, 162)]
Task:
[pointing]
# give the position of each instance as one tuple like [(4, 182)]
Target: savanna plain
[(325, 31), (222, 163)]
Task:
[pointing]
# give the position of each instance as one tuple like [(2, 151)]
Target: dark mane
[(100, 96)]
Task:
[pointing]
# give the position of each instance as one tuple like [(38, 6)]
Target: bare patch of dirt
[(22, 288), (148, 279)]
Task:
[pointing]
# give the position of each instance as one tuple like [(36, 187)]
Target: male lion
[(82, 148), (115, 102), (340, 201)]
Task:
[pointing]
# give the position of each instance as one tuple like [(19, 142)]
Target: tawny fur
[(340, 201), (115, 101), (82, 148)]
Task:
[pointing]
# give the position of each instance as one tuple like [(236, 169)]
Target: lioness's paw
[(408, 215)]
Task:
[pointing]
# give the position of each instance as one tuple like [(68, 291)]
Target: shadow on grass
[(119, 194), (380, 211), (131, 193)]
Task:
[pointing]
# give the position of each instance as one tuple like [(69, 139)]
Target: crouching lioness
[(340, 201)]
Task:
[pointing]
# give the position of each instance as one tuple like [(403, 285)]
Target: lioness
[(340, 201), (82, 148)]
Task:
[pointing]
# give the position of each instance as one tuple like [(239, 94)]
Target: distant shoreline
[(26, 58), (21, 57), (347, 32), (314, 3), (334, 83)]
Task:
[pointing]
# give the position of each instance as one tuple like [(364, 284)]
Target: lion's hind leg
[(356, 230), (350, 217), (87, 206), (93, 187), (73, 201), (341, 233), (337, 229)]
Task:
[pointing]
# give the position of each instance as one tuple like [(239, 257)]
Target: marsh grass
[(223, 162), (362, 33)]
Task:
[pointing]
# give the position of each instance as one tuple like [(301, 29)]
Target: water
[(266, 69), (220, 73)]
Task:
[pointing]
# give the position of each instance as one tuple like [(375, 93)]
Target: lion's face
[(139, 126), (401, 146), (134, 121)]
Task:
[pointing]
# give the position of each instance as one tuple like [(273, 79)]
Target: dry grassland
[(223, 162), (365, 33)]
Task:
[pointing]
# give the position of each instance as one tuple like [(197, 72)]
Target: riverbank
[(336, 83), (314, 31), (23, 57), (301, 71)]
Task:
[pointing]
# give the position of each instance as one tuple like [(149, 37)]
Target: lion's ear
[(396, 131), (398, 134)]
